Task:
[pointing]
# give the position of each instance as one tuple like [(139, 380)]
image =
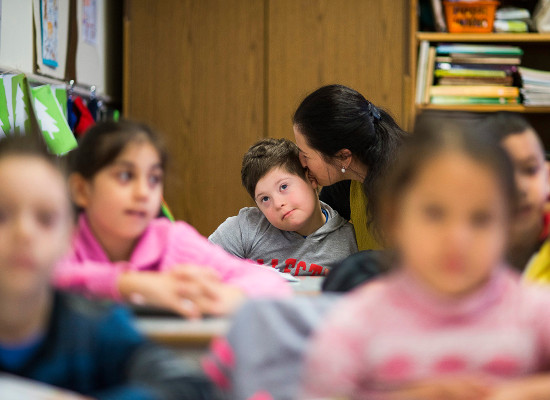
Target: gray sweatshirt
[(250, 235)]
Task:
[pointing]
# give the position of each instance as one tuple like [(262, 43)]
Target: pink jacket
[(162, 246)]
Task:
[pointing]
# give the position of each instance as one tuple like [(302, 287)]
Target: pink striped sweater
[(163, 245), (395, 331)]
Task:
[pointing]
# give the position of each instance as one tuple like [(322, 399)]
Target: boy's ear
[(80, 189)]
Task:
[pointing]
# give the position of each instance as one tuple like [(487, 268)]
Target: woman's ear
[(80, 189), (344, 155)]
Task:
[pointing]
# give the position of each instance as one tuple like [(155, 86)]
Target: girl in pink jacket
[(122, 251)]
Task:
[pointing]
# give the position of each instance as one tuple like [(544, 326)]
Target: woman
[(346, 143)]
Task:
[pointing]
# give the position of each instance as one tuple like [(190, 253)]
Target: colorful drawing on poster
[(49, 16), (89, 21)]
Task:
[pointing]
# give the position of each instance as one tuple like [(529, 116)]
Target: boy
[(55, 338), (526, 151), (290, 230)]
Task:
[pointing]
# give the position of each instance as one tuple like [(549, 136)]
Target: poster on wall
[(51, 29), (0, 22), (49, 17), (89, 21)]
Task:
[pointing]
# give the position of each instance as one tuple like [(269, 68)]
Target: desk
[(195, 335), (308, 285), (180, 332)]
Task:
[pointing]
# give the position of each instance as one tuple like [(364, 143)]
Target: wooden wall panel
[(359, 43), (195, 70)]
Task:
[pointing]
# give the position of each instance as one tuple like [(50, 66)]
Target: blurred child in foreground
[(452, 321), (53, 337)]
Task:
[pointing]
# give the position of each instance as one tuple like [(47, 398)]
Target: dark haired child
[(452, 321), (121, 251), (530, 230), (53, 337), (289, 229), (347, 144)]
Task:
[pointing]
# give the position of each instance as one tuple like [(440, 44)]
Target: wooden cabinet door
[(195, 71)]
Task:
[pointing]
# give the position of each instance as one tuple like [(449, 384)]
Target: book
[(476, 59), (463, 72), (509, 69), (512, 13), (429, 75), (475, 80), (421, 70), (510, 26), (479, 49), (474, 91), (461, 100)]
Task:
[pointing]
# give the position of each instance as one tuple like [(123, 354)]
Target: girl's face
[(35, 224), (319, 170), (451, 224), (122, 198)]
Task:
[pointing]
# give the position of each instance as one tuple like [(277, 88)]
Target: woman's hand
[(189, 290)]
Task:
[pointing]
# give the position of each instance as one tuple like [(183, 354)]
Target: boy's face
[(288, 202), (35, 224), (531, 175)]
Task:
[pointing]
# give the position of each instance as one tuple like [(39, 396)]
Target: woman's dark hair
[(103, 142), (336, 117), (432, 137)]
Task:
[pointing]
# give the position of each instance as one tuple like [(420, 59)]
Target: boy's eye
[(284, 186), (264, 199)]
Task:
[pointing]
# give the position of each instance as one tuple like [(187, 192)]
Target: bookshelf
[(536, 47)]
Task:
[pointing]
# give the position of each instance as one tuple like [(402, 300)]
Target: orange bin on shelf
[(470, 16)]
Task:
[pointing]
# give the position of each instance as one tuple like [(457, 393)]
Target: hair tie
[(374, 112)]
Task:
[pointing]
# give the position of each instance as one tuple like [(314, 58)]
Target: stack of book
[(470, 74), (535, 87)]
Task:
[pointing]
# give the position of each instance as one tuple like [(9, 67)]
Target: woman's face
[(320, 171)]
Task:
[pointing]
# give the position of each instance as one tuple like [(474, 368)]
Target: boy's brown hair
[(267, 154)]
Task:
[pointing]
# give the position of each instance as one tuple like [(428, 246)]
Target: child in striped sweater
[(453, 321)]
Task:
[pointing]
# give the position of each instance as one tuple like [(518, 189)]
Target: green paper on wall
[(5, 125), (60, 92), (21, 121), (54, 127)]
